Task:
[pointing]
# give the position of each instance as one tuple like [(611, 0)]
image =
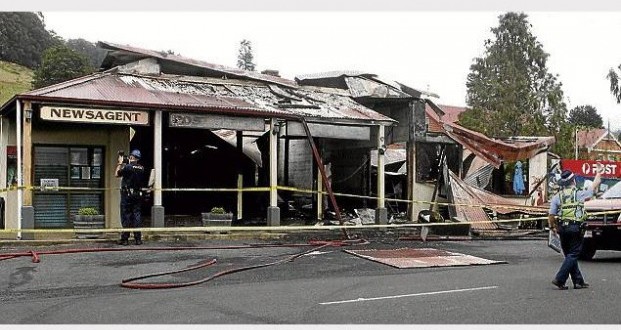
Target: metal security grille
[(73, 166), (50, 210)]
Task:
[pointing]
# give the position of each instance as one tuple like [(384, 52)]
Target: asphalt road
[(324, 287)]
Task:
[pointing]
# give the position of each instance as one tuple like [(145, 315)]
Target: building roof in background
[(447, 113), (588, 138), (591, 137)]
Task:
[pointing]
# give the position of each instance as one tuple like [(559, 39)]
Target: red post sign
[(588, 168)]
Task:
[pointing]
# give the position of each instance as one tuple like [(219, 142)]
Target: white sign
[(49, 184), (96, 116), (589, 169)]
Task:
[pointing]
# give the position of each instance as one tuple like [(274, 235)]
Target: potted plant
[(88, 218), (217, 217)]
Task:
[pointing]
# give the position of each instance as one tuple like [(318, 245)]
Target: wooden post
[(27, 154)]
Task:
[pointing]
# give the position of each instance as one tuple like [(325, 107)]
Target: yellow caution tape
[(278, 228), (291, 189)]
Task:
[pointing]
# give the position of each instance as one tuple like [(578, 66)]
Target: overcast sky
[(429, 50)]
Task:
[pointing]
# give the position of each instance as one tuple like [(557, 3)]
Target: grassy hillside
[(14, 79)]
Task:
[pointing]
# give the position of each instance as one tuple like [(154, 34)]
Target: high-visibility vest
[(571, 207)]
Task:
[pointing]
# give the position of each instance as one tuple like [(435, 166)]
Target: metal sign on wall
[(190, 120), (588, 168), (95, 116)]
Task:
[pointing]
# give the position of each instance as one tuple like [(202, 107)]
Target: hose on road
[(130, 283)]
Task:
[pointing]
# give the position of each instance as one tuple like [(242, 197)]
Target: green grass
[(14, 79)]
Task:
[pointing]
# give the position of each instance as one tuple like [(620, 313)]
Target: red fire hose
[(127, 283)]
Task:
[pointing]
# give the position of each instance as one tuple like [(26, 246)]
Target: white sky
[(423, 49)]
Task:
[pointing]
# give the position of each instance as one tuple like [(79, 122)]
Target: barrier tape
[(279, 228), (291, 189), (286, 188)]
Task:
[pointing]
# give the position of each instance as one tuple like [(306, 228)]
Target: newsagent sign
[(588, 168), (94, 116)]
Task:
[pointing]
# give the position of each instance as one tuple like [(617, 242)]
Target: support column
[(319, 195), (157, 210), (381, 214), (273, 212), (27, 208), (411, 169), (240, 176)]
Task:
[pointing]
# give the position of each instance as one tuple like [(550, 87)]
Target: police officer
[(132, 175), (568, 206)]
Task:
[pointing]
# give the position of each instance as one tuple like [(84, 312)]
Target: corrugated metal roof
[(496, 151), (463, 198), (233, 72), (421, 258), (208, 93), (469, 201), (392, 156), (331, 74), (363, 87)]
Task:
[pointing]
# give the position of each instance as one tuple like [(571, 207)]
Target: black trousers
[(131, 216)]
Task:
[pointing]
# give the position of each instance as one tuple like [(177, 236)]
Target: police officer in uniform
[(566, 218), (132, 175)]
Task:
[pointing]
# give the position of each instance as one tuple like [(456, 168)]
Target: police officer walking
[(132, 175), (568, 206)]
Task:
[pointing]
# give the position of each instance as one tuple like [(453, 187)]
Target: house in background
[(597, 144)]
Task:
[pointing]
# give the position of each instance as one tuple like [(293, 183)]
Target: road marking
[(408, 295)]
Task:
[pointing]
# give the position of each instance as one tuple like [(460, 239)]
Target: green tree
[(23, 38), (94, 54), (60, 63), (245, 57), (613, 77), (509, 89), (585, 116)]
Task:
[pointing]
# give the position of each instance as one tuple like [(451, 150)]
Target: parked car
[(603, 230)]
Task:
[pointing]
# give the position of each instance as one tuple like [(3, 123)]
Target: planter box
[(216, 219), (89, 222)]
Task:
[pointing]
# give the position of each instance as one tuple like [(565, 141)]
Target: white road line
[(407, 295)]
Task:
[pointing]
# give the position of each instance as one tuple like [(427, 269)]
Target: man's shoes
[(138, 242), (559, 285), (581, 285), (123, 242)]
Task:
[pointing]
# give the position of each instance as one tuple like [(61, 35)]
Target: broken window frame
[(428, 167)]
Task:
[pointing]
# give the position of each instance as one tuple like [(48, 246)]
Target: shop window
[(73, 167)]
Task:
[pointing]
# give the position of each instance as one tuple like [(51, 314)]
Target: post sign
[(588, 168), (94, 116)]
